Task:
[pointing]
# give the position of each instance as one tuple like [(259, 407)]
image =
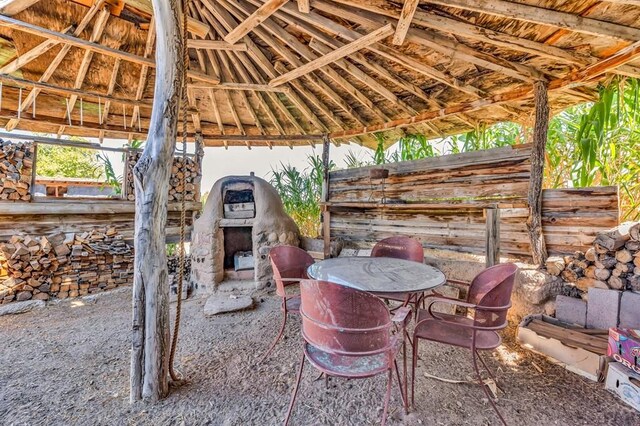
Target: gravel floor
[(69, 364)]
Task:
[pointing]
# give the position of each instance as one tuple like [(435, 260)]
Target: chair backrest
[(290, 263), (491, 289), (399, 247), (342, 320)]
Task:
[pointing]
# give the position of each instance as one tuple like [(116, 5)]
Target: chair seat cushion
[(455, 331), (347, 366)]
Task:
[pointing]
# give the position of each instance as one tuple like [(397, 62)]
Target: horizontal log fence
[(473, 202)]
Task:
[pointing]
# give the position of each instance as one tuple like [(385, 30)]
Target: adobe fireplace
[(241, 220)]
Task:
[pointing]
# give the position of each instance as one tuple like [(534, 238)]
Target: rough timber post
[(326, 214), (150, 341), (534, 221)]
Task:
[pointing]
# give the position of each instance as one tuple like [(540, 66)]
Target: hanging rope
[(183, 206)]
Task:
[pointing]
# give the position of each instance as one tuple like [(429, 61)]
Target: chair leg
[(413, 369), (403, 389), (387, 397), (488, 370), (277, 339), (295, 390), (484, 387)]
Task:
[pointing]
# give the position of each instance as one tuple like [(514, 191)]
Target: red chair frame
[(489, 297), (349, 333), (289, 266)]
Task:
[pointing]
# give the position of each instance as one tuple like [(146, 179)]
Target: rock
[(41, 296), (218, 304), (20, 307), (23, 295)]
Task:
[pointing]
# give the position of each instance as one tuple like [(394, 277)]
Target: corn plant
[(300, 192)]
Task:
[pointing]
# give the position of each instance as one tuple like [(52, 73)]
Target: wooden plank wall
[(439, 201), (81, 215), (479, 177)]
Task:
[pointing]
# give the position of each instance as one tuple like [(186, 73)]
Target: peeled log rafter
[(150, 340)]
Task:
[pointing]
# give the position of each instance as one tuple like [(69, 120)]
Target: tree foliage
[(65, 161)]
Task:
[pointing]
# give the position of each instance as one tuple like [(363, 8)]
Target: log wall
[(441, 202)]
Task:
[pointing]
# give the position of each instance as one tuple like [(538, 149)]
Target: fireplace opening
[(238, 200), (238, 251)]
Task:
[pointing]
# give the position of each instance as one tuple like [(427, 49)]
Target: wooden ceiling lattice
[(278, 72)]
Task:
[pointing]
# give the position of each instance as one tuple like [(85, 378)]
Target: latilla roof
[(344, 67)]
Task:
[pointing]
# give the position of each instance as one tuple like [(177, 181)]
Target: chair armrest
[(402, 316), (464, 305), (291, 280)]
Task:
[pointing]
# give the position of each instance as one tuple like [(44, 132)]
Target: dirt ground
[(68, 364)]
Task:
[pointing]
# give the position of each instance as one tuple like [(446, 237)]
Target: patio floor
[(69, 364)]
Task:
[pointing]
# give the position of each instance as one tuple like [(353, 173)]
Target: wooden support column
[(326, 214), (150, 339), (534, 221), (492, 248)]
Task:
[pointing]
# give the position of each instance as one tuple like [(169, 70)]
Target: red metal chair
[(489, 297), (289, 267), (349, 333), (400, 247)]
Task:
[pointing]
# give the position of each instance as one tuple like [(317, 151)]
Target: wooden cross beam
[(216, 45), (340, 53), (255, 19), (542, 16), (404, 22), (16, 24)]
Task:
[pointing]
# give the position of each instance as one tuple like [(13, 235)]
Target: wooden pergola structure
[(274, 72)]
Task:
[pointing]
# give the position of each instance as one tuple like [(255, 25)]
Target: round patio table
[(377, 274)]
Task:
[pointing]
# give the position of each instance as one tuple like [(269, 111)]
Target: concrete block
[(571, 310), (630, 310), (603, 308)]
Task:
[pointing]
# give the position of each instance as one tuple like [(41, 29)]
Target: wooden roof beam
[(404, 21), (29, 55), (13, 7), (215, 45), (446, 46), (266, 65), (253, 20), (542, 16), (223, 22), (457, 27), (573, 79), (333, 56), (12, 23)]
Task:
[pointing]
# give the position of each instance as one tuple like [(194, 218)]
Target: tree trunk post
[(150, 341), (326, 214), (199, 151), (534, 221)]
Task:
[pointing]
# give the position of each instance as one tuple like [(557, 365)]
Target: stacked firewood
[(16, 162), (64, 265), (184, 175), (613, 261)]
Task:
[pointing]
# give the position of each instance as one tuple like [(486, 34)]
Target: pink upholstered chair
[(289, 267), (349, 333), (489, 298), (400, 247)]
